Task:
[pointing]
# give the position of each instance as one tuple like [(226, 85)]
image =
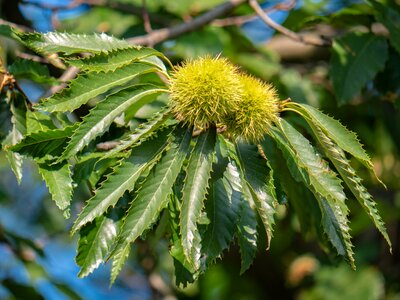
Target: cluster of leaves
[(202, 190)]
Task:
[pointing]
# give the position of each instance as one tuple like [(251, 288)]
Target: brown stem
[(69, 74), (240, 20), (291, 34), (146, 18), (160, 35)]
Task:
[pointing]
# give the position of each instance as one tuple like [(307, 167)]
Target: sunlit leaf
[(70, 43), (222, 207), (247, 234), (102, 115), (122, 179), (353, 181), (151, 198), (194, 193), (88, 86), (107, 62), (322, 182), (259, 184), (58, 180), (95, 242), (48, 143)]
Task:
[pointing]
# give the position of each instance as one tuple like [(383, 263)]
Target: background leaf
[(356, 59), (391, 19)]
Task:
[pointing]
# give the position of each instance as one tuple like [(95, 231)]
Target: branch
[(20, 27), (160, 35), (69, 74), (240, 20), (146, 18), (291, 34)]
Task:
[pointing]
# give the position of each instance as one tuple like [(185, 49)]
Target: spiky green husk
[(257, 110), (205, 91)]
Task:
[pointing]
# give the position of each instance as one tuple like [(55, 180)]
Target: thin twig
[(160, 35), (146, 18), (17, 26), (234, 21), (157, 36), (69, 74), (240, 20), (127, 8), (291, 34), (32, 57)]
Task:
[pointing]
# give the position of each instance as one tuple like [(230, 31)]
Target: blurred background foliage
[(36, 251)]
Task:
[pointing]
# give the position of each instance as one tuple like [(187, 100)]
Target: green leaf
[(157, 62), (47, 144), (194, 192), (346, 139), (103, 114), (247, 234), (95, 242), (319, 175), (59, 181), (356, 59), (88, 86), (335, 225), (141, 133), (118, 261), (8, 31), (70, 43), (18, 111), (107, 62), (222, 207), (322, 182), (151, 198), (300, 198), (28, 69), (391, 19), (353, 181), (38, 121), (259, 184), (15, 159), (184, 272), (122, 179), (20, 291)]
